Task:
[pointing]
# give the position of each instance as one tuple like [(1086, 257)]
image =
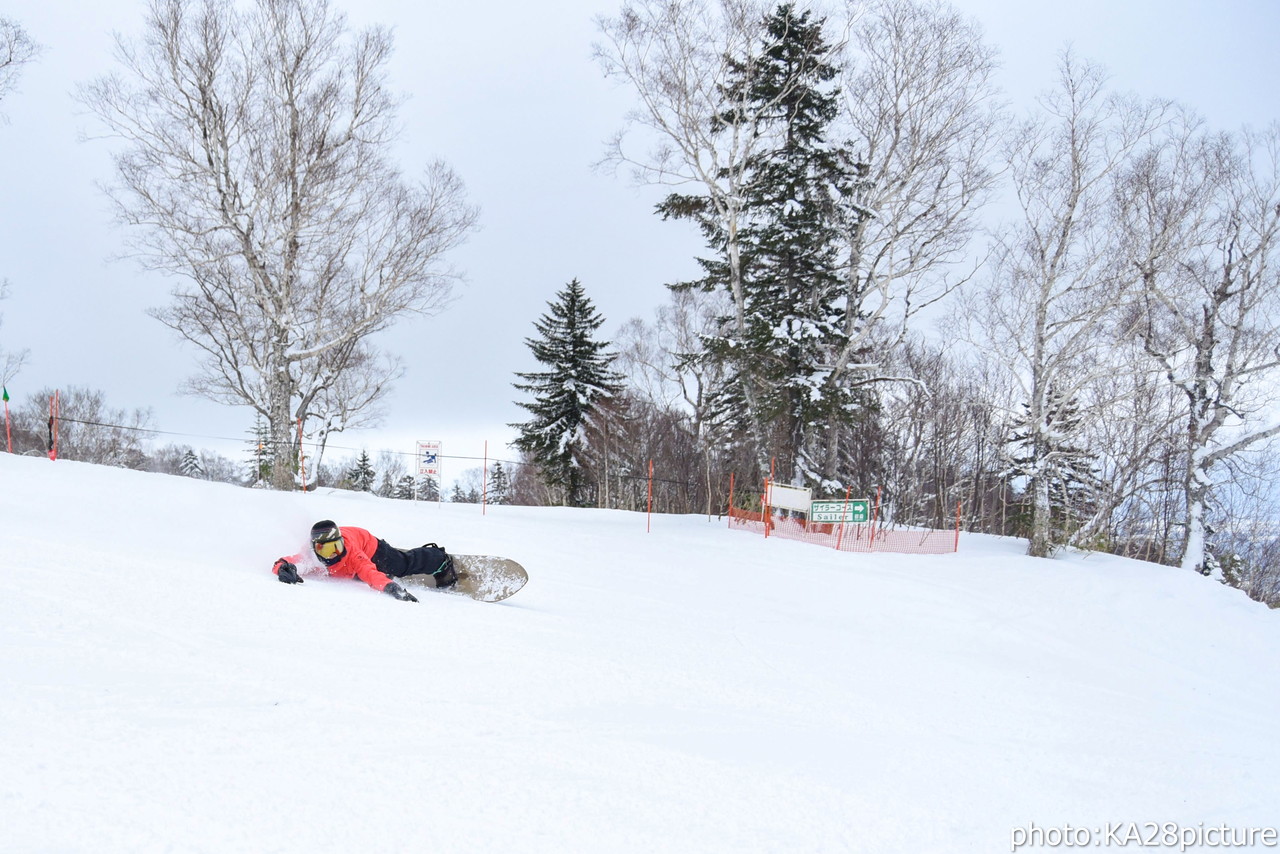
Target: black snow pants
[(429, 560)]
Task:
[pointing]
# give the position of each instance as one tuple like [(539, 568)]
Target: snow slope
[(693, 689)]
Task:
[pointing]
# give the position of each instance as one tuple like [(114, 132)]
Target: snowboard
[(485, 578)]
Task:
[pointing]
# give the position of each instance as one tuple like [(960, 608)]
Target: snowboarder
[(350, 552)]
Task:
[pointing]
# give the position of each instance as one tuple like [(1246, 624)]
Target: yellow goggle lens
[(328, 549)]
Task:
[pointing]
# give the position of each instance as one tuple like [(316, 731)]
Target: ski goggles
[(327, 549)]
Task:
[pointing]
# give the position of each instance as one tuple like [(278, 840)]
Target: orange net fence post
[(730, 499), (844, 515), (875, 515), (957, 548), (764, 508)]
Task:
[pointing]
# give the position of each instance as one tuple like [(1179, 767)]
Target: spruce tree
[(577, 379), (791, 239), (361, 475), (260, 454), (428, 488), (779, 346), (190, 465), (499, 484), (1060, 471), (404, 488)]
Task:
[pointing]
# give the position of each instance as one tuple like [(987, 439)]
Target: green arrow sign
[(856, 511)]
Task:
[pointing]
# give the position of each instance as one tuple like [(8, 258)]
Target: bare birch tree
[(660, 359), (665, 371), (1054, 296), (255, 167), (1202, 233), (87, 429), (923, 123), (1133, 442), (16, 50), (11, 361), (353, 398)]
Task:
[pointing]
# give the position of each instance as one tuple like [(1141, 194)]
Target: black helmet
[(325, 531), (326, 542)]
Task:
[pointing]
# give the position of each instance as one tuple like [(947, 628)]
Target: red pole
[(764, 507), (649, 519), (845, 512), (484, 486), (8, 436), (53, 425), (957, 526), (730, 499), (875, 520), (768, 495)]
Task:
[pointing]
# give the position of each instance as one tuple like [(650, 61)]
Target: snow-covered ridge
[(693, 689)]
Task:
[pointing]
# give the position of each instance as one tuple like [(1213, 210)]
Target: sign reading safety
[(856, 511)]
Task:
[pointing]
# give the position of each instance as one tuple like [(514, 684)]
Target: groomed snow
[(693, 689)]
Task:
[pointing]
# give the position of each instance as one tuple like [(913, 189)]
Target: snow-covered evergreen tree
[(190, 465), (361, 475), (404, 488), (499, 484), (791, 238), (464, 495), (779, 343), (919, 111), (260, 454), (578, 377), (1050, 454), (428, 488)]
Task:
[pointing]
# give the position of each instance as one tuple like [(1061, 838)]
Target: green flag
[(6, 394)]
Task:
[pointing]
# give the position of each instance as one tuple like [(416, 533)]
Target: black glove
[(399, 592), (287, 572)]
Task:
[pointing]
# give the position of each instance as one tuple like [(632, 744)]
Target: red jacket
[(356, 561)]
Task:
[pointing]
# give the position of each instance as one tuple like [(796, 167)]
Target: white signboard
[(789, 497), (429, 458)]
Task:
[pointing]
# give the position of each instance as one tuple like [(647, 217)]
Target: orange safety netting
[(849, 537)]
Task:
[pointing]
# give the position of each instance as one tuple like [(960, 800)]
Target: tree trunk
[(280, 423), (1196, 489), (1041, 536), (1193, 543)]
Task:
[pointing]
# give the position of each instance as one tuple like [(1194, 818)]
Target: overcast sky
[(506, 93)]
